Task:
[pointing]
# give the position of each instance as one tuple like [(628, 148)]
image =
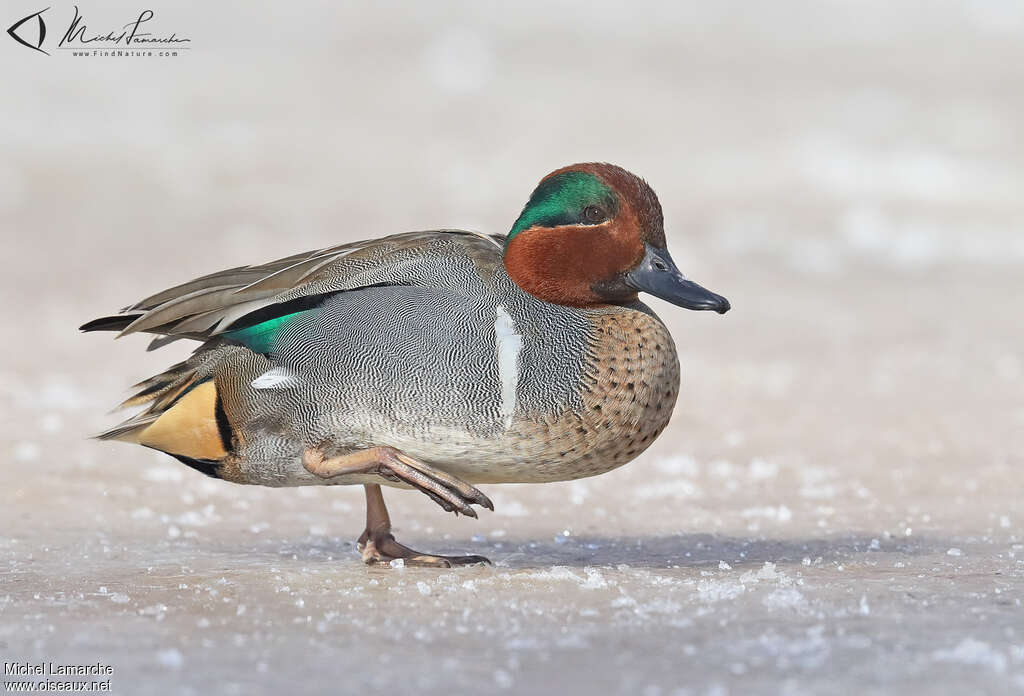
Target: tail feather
[(118, 322), (129, 430), (156, 389), (185, 417), (160, 396), (162, 377), (161, 341)]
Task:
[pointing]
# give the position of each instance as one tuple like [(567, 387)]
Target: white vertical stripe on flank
[(508, 343)]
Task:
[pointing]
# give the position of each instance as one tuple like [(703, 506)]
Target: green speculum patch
[(562, 199), (260, 338)]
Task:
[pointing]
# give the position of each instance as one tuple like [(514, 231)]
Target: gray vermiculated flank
[(415, 361)]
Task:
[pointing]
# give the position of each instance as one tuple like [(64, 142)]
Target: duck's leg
[(389, 463), (378, 545)]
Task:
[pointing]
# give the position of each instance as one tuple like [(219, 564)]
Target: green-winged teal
[(433, 360)]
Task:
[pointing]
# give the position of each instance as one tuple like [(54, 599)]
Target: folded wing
[(214, 304)]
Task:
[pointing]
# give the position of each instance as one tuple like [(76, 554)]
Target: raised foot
[(451, 493), (381, 548)]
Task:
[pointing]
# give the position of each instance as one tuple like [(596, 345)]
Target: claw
[(466, 490), (486, 502)]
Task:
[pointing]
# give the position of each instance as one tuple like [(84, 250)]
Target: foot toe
[(468, 560), (432, 561), (381, 549), (427, 561)]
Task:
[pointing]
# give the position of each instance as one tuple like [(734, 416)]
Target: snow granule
[(768, 572), (719, 590), (954, 552), (555, 573), (423, 587), (784, 598), (594, 580)]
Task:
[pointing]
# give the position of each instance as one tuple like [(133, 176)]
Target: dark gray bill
[(658, 275)]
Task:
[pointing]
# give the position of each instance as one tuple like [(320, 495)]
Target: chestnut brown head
[(594, 234)]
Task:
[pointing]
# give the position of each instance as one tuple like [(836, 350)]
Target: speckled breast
[(628, 390)]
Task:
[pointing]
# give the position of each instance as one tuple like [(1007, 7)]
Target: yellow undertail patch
[(189, 428)]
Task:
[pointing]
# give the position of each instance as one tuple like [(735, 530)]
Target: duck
[(433, 360)]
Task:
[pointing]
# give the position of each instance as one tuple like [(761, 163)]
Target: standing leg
[(378, 545)]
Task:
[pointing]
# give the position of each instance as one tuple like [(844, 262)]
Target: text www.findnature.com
[(114, 53)]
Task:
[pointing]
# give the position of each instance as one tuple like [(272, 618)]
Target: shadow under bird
[(430, 360)]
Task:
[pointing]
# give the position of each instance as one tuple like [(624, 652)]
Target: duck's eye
[(593, 214)]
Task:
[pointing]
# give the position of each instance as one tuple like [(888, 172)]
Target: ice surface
[(836, 505)]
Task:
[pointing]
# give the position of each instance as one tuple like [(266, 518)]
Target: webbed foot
[(379, 547)]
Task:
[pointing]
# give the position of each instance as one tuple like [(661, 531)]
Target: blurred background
[(836, 504)]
